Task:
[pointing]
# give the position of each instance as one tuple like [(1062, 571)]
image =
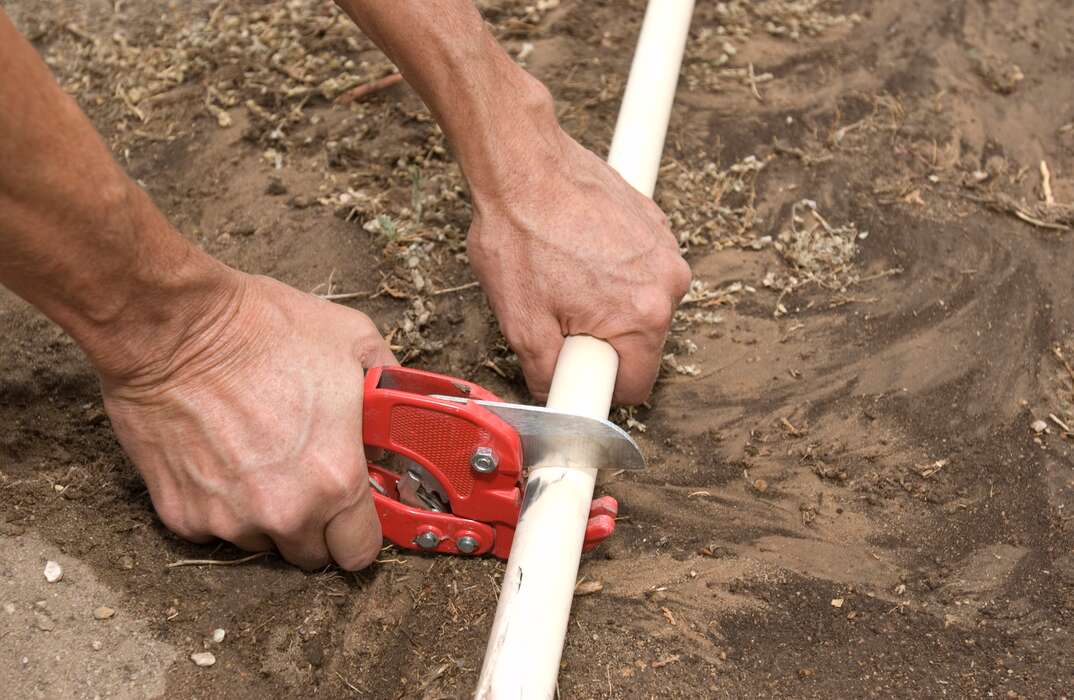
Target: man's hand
[(578, 251), (251, 429), (560, 243), (238, 398)]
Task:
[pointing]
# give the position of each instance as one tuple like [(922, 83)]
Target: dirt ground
[(860, 479)]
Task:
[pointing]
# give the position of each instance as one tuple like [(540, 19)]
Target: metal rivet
[(483, 460), (427, 540), (467, 544)]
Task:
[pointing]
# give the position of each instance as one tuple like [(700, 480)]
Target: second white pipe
[(526, 642)]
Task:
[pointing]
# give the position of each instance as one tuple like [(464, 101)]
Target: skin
[(239, 398)]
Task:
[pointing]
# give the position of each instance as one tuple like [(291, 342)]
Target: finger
[(178, 518), (380, 355), (538, 360), (194, 536), (353, 535), (639, 363), (305, 549), (680, 279), (251, 542), (369, 345)]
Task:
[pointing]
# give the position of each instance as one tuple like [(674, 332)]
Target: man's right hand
[(251, 431), (568, 247), (561, 244)]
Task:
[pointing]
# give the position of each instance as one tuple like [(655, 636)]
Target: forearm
[(80, 240), (499, 120)]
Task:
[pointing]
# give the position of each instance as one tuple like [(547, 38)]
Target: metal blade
[(551, 438)]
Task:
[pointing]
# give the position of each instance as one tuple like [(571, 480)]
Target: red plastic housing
[(401, 416)]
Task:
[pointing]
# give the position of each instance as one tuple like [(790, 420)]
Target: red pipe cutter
[(451, 476)]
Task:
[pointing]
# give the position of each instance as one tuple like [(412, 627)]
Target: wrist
[(136, 315), (521, 142)]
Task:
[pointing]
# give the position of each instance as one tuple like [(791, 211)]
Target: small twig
[(449, 290), (367, 89), (494, 367), (1061, 424), (884, 273), (843, 301), (790, 428), (215, 14), (348, 683), (80, 33), (217, 562), (130, 104), (1046, 183), (753, 82), (1037, 222), (345, 295), (1007, 205)]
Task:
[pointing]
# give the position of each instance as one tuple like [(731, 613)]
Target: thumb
[(353, 535)]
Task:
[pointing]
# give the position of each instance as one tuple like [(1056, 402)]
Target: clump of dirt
[(839, 417)]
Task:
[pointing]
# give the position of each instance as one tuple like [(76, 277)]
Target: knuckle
[(285, 519), (173, 518), (229, 529), (681, 276), (652, 309), (179, 526), (341, 481)]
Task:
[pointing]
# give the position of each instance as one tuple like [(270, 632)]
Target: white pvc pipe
[(526, 642)]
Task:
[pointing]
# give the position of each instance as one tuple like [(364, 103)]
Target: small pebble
[(203, 658), (97, 646), (219, 634), (760, 485), (1038, 426), (44, 623), (103, 613), (837, 602), (276, 187), (53, 571), (9, 608)]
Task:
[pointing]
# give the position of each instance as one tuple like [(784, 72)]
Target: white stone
[(53, 571), (219, 634), (203, 658)]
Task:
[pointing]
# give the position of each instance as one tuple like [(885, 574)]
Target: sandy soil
[(848, 495)]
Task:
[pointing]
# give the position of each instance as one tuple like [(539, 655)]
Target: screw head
[(467, 544), (483, 460), (427, 540)]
